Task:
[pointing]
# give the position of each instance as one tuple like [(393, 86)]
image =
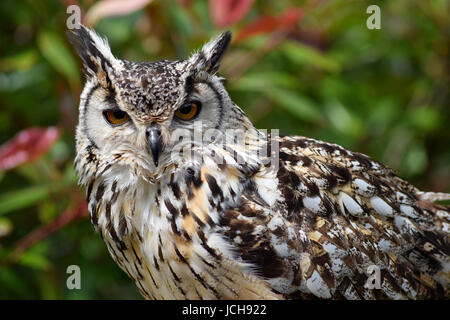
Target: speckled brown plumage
[(307, 219)]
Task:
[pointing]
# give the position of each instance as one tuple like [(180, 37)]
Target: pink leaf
[(112, 8), (286, 21), (226, 12), (27, 146)]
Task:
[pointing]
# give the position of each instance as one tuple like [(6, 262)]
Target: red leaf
[(184, 3), (27, 146), (286, 21), (226, 12)]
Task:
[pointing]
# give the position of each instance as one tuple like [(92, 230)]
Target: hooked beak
[(154, 142)]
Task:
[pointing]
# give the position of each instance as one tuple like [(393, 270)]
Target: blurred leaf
[(23, 198), (286, 21), (54, 49), (34, 238), (423, 118), (11, 280), (33, 173), (19, 61), (343, 120), (182, 22), (21, 79), (298, 105), (227, 12), (383, 113), (118, 29), (27, 146), (305, 55), (60, 151), (258, 81), (112, 8), (5, 226), (202, 11), (415, 160), (49, 287), (47, 212), (35, 257), (70, 175)]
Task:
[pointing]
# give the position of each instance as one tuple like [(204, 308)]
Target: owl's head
[(137, 115)]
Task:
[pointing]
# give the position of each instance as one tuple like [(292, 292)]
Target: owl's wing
[(344, 226)]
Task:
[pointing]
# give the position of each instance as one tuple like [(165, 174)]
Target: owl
[(194, 202)]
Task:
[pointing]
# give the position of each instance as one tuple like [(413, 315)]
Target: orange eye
[(188, 111), (116, 117)]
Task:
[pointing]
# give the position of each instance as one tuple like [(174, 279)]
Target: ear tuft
[(208, 59), (94, 51)]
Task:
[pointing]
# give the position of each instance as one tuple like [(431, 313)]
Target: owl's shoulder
[(336, 214), (331, 179)]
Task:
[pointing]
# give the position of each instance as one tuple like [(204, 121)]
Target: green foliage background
[(380, 92)]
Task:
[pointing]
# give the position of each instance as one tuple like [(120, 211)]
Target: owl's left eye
[(188, 111), (116, 117)]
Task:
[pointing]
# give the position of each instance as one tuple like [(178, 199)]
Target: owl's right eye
[(115, 116)]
